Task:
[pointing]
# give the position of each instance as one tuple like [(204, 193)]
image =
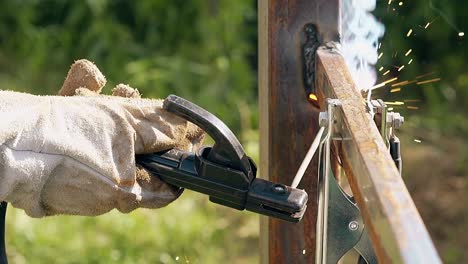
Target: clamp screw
[(398, 120), (395, 119), (278, 189), (353, 225), (323, 119)]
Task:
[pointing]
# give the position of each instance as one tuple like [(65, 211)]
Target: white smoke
[(360, 34)]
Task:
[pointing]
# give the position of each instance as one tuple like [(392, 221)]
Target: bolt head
[(353, 225), (398, 120), (279, 188), (323, 119), (395, 119)]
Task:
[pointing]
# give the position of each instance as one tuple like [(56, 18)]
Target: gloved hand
[(76, 154)]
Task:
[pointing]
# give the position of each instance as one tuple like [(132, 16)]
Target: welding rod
[(308, 157)]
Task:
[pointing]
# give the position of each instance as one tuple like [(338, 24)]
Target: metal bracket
[(388, 122), (380, 110)]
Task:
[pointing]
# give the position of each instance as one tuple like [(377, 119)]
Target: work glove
[(75, 153)]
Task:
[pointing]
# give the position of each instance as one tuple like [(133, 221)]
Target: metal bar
[(324, 183), (307, 159), (326, 190), (397, 231)]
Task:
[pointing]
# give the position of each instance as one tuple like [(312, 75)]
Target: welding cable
[(308, 157)]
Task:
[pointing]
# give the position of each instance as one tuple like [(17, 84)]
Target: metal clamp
[(340, 227)]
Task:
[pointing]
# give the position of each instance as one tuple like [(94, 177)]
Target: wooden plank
[(397, 230), (288, 122)]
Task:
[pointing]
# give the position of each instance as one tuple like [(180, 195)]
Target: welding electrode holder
[(223, 171)]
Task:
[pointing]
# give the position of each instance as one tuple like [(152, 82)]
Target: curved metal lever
[(227, 150)]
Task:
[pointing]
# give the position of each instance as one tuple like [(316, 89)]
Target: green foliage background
[(201, 50), (435, 170), (205, 50), (437, 49)]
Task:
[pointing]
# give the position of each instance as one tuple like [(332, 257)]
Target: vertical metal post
[(288, 121)]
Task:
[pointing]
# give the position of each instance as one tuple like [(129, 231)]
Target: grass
[(190, 230)]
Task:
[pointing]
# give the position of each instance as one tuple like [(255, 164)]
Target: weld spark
[(396, 103), (428, 81), (412, 100), (382, 84), (409, 32), (400, 83)]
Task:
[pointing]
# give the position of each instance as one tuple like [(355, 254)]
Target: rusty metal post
[(288, 121)]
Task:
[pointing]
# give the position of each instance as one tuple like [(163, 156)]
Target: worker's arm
[(76, 154)]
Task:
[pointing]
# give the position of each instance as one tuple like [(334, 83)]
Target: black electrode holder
[(223, 172)]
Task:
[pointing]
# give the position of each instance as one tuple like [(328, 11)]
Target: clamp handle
[(227, 150)]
